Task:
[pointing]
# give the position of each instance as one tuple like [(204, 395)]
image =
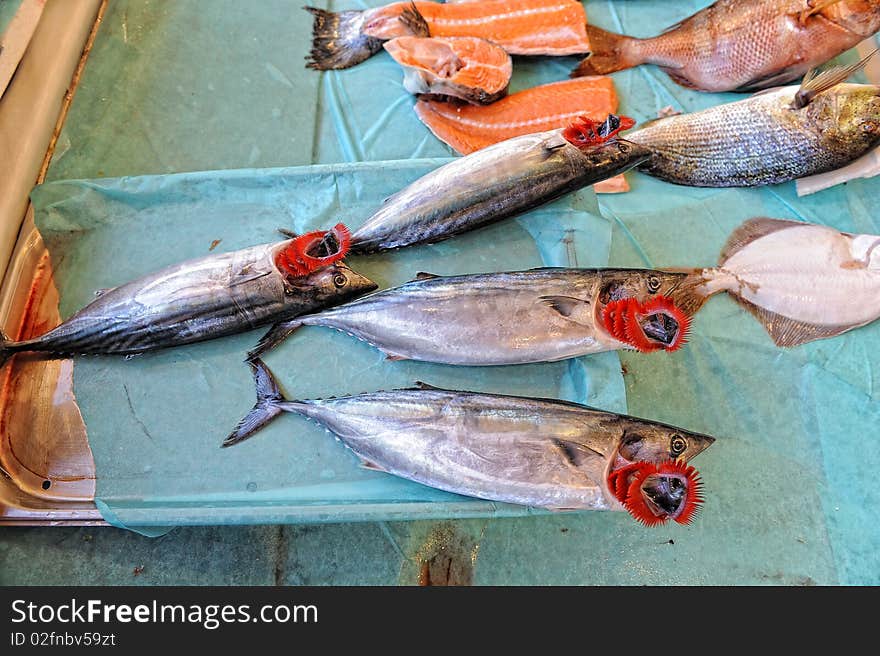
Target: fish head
[(644, 441), (335, 284), (861, 17), (848, 118), (649, 474), (649, 310), (614, 157)]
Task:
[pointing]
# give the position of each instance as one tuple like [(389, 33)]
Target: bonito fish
[(197, 300), (540, 315), (741, 45), (772, 137), (534, 452), (801, 281), (521, 27), (499, 181)]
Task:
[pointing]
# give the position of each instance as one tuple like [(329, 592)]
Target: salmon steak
[(468, 129), (463, 67), (741, 45), (521, 27)]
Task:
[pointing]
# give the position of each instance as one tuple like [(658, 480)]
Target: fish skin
[(501, 318), (521, 27), (535, 452), (761, 140), (470, 69), (740, 45), (492, 184), (199, 299)]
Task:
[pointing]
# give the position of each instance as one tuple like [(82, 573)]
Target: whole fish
[(801, 281), (534, 452), (521, 27), (540, 315), (741, 45), (197, 300), (766, 139), (497, 182)]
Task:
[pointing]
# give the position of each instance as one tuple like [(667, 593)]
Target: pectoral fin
[(578, 455), (247, 274), (372, 466), (574, 309), (814, 7)]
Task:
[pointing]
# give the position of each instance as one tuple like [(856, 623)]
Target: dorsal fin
[(790, 332), (751, 230), (424, 275), (419, 385), (815, 83)]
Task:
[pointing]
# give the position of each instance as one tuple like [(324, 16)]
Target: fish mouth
[(660, 327), (665, 494), (651, 326), (654, 493)]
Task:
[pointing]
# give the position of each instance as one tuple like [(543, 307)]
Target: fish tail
[(609, 52), (338, 40), (270, 403)]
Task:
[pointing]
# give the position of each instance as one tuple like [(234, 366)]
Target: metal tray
[(48, 474)]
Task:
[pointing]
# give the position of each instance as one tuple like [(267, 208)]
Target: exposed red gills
[(521, 27), (469, 68), (467, 128)]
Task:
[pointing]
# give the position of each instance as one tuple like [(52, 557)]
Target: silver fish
[(765, 139), (535, 452), (491, 184), (193, 301), (512, 318)]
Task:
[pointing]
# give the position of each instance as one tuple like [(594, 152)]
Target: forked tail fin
[(270, 403), (609, 52)]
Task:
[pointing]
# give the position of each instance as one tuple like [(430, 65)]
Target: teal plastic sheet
[(7, 11), (155, 422)]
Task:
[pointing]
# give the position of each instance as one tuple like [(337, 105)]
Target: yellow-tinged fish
[(741, 45)]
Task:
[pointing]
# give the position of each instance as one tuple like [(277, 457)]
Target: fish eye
[(623, 147), (653, 284), (871, 127), (677, 445), (340, 280)]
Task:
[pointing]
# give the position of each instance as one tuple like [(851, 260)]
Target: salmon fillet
[(472, 69), (521, 27), (468, 128)]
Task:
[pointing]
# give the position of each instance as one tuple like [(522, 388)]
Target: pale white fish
[(801, 281)]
